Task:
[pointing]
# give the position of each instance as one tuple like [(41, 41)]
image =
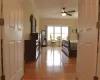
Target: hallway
[(52, 64)]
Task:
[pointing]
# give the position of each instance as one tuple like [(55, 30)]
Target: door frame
[(1, 43), (98, 45)]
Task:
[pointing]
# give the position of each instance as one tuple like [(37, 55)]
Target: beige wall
[(28, 10), (72, 23)]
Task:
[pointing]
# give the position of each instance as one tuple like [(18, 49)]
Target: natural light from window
[(53, 32)]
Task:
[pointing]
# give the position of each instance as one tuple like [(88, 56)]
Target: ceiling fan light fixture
[(63, 14)]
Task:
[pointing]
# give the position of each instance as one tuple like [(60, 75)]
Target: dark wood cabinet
[(32, 48)]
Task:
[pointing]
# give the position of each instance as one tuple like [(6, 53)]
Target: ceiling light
[(63, 14)]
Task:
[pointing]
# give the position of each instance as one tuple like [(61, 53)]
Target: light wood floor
[(51, 65)]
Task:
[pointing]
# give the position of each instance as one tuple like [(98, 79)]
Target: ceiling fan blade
[(69, 14), (71, 11)]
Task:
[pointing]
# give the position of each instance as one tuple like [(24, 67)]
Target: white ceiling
[(52, 8)]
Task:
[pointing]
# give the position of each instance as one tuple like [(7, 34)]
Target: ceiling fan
[(64, 13)]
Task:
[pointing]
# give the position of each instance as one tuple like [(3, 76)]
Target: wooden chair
[(53, 42)]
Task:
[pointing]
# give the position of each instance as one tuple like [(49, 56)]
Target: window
[(64, 33), (54, 32), (50, 30), (57, 30), (50, 37)]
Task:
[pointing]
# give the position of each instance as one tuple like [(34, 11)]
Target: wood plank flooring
[(52, 64)]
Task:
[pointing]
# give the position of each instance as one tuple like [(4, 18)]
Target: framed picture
[(33, 24)]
